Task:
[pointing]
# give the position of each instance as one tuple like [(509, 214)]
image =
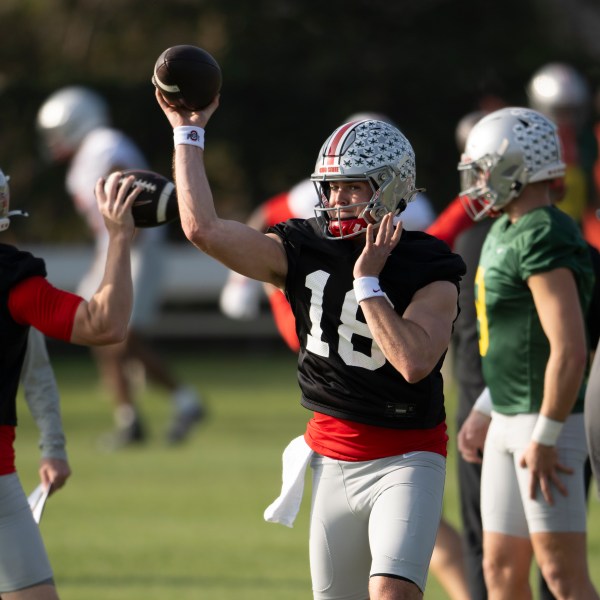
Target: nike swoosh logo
[(377, 290)]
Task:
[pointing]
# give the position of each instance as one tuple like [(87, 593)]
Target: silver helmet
[(366, 150), (505, 151), (67, 116), (558, 89)]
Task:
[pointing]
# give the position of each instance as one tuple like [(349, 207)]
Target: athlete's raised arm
[(237, 246)]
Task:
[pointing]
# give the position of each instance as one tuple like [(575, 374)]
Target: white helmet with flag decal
[(366, 150)]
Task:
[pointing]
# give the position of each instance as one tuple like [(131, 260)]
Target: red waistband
[(7, 449), (352, 441)]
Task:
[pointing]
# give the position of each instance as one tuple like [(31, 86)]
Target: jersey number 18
[(316, 282)]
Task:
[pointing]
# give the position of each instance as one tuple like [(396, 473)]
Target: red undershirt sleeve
[(34, 301), (451, 222), (284, 319), (276, 209)]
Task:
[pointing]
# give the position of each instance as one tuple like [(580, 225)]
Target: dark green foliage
[(292, 71)]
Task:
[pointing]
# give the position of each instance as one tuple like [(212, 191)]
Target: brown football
[(187, 76), (157, 202)]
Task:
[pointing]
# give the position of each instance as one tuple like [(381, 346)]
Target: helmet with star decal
[(365, 150)]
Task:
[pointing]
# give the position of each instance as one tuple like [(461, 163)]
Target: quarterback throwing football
[(374, 308)]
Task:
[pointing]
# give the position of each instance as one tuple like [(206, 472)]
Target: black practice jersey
[(15, 266), (341, 370)]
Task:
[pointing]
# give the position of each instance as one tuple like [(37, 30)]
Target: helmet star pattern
[(537, 138)]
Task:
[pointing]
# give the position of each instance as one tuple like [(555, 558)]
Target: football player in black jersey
[(374, 308)]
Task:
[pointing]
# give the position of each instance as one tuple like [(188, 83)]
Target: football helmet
[(365, 150), (6, 214), (558, 88), (505, 151), (67, 116)]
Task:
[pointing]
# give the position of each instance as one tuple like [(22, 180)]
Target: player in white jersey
[(74, 123)]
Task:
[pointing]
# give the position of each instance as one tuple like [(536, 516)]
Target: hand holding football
[(187, 76), (157, 202)]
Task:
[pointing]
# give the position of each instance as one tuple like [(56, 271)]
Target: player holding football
[(74, 124), (533, 286), (374, 308), (27, 299)]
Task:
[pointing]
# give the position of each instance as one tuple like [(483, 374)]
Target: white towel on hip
[(284, 509)]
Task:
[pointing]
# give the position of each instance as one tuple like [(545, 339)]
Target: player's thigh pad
[(23, 558), (375, 517), (506, 506)]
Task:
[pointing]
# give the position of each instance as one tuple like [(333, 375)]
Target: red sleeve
[(277, 210), (36, 302), (451, 222), (284, 319)]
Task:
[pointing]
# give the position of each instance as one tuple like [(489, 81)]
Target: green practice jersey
[(512, 343)]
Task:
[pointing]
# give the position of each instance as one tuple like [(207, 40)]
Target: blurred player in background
[(561, 92), (27, 300), (74, 124)]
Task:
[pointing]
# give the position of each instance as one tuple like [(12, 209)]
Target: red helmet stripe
[(336, 142)]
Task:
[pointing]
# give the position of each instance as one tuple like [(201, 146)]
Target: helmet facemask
[(486, 187), (372, 151)]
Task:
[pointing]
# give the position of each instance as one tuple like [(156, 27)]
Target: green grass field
[(157, 522)]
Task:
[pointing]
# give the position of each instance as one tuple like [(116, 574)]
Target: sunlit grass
[(156, 522)]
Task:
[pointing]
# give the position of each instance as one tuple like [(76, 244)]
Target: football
[(157, 202), (187, 76)]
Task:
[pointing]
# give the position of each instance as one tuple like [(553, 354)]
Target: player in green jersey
[(533, 286)]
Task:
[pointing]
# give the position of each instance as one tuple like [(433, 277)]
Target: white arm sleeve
[(483, 404), (41, 395)]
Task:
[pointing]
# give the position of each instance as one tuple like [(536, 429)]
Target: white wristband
[(367, 287), (187, 134), (546, 431), (483, 404)]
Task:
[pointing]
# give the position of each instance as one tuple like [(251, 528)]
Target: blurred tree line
[(293, 70)]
